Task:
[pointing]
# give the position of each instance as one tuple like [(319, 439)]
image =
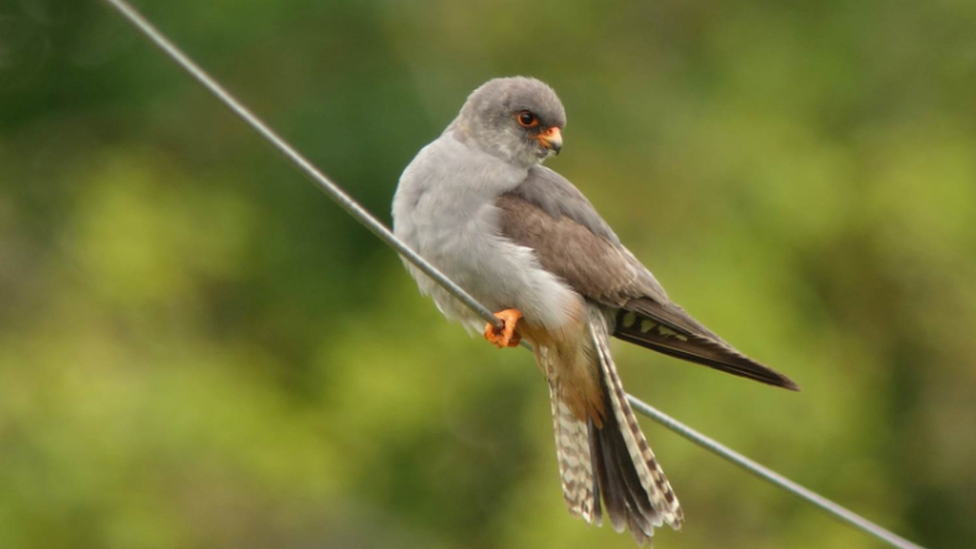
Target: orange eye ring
[(527, 120)]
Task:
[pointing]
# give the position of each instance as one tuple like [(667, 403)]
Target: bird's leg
[(507, 337)]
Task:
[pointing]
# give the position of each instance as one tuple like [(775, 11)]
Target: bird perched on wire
[(478, 204)]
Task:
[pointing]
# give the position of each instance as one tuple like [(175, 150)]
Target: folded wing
[(548, 214)]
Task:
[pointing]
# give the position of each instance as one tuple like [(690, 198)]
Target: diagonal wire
[(380, 230), (311, 172), (769, 475)]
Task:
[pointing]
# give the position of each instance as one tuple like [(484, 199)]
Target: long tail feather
[(663, 506), (605, 456), (580, 489)]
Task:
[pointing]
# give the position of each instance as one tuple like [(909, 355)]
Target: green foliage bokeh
[(198, 349)]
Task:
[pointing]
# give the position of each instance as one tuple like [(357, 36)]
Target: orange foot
[(507, 337)]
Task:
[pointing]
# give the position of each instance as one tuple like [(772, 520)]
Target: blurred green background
[(198, 349)]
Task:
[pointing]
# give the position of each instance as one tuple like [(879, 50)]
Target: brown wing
[(590, 264), (549, 215)]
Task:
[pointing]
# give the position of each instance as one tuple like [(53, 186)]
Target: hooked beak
[(552, 139)]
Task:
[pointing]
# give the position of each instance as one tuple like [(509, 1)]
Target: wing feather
[(549, 215)]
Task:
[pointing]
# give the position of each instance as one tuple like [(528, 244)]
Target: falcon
[(521, 239)]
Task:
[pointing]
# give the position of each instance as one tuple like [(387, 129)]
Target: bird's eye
[(527, 120)]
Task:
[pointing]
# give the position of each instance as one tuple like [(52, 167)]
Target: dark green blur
[(199, 350)]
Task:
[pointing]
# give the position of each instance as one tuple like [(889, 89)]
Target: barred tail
[(607, 458), (580, 490), (635, 490)]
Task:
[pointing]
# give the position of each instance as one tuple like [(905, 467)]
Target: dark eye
[(527, 119)]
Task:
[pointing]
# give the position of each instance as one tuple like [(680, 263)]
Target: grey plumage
[(478, 205), (551, 193), (485, 119)]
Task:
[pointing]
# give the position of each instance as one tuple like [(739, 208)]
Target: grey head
[(517, 119)]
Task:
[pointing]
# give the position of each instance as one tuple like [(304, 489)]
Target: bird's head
[(517, 119)]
